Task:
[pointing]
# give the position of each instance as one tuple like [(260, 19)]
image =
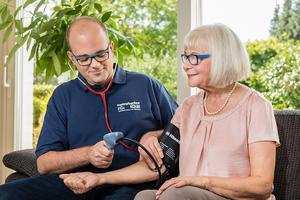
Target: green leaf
[(28, 43), (32, 25), (7, 33), (21, 40), (5, 14), (115, 17), (106, 16), (27, 3), (78, 2), (19, 26), (11, 53), (33, 50), (91, 5), (115, 32), (39, 68), (5, 24), (124, 51), (112, 23), (57, 8), (62, 12), (56, 63), (2, 5), (72, 12), (78, 7), (119, 56), (17, 11), (39, 5), (98, 7), (121, 42), (49, 73)]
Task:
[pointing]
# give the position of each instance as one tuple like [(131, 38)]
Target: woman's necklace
[(222, 106)]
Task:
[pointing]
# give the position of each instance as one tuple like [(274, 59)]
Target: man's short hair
[(86, 18), (229, 58)]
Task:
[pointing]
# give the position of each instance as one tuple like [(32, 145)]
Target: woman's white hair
[(229, 58)]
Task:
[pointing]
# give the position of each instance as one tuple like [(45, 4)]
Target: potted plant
[(44, 36)]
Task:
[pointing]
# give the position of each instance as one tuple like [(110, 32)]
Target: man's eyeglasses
[(194, 59), (86, 60)]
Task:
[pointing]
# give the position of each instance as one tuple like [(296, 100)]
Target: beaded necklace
[(222, 106)]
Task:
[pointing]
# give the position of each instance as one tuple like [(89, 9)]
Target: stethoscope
[(102, 94)]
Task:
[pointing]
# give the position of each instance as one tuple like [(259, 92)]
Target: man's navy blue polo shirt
[(75, 117)]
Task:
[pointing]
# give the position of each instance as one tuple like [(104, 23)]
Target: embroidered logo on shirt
[(129, 106)]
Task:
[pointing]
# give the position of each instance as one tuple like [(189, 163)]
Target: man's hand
[(150, 141), (100, 156), (82, 182)]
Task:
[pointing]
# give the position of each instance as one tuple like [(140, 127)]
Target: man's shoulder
[(67, 85), (65, 88), (142, 78)]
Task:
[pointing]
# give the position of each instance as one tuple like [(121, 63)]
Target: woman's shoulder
[(257, 97), (193, 102)]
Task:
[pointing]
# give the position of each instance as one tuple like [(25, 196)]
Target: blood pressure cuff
[(170, 144)]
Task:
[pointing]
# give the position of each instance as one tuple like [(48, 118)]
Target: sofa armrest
[(15, 176), (23, 161)]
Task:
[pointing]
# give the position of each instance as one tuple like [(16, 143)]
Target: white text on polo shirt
[(129, 106)]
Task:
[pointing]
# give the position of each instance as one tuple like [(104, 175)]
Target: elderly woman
[(228, 133)]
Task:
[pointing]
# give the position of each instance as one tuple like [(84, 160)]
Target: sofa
[(287, 171)]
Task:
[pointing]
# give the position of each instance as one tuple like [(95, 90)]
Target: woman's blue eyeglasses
[(194, 59)]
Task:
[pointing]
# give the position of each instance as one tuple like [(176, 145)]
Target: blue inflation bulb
[(112, 138)]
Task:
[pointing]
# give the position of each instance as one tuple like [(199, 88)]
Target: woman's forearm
[(240, 187), (133, 174)]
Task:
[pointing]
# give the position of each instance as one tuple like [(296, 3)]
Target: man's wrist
[(88, 151)]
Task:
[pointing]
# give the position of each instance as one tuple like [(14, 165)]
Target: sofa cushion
[(287, 171), (23, 161)]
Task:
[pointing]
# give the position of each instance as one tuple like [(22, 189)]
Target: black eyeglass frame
[(91, 57)]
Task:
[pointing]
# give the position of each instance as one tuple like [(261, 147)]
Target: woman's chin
[(192, 83)]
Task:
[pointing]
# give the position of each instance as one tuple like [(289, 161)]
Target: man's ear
[(112, 46), (71, 57)]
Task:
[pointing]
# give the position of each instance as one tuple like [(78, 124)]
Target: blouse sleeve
[(262, 125), (176, 120)]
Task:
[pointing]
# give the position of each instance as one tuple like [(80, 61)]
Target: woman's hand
[(181, 181), (82, 182), (151, 143)]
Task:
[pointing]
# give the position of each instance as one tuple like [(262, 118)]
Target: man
[(103, 98)]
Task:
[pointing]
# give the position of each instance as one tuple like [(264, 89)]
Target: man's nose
[(95, 63)]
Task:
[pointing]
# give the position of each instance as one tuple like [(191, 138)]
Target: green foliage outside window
[(276, 70), (41, 96)]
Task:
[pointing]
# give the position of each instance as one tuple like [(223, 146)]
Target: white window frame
[(23, 108), (189, 16)]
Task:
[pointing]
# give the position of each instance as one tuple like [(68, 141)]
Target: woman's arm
[(260, 182), (257, 186)]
